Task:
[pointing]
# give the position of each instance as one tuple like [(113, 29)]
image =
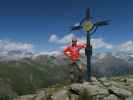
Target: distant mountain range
[(28, 72)]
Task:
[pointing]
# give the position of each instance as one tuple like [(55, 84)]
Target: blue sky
[(34, 21)]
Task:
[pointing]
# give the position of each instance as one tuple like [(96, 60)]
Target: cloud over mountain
[(96, 42), (13, 49), (126, 47), (64, 40), (8, 45)]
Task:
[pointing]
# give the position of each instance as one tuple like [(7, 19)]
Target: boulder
[(26, 97), (96, 90), (129, 80), (111, 97), (120, 92), (129, 98), (106, 84), (103, 79), (41, 95), (77, 88), (60, 95), (92, 90)]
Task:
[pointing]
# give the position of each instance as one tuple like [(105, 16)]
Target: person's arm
[(82, 45)]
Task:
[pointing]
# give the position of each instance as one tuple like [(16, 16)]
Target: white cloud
[(125, 47), (64, 40), (97, 43), (7, 45), (10, 48), (77, 24), (100, 43), (49, 53), (53, 38)]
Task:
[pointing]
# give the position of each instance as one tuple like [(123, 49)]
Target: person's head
[(74, 40)]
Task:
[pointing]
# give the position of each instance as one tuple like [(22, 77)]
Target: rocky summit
[(104, 88)]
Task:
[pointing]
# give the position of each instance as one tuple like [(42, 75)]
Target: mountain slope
[(25, 75)]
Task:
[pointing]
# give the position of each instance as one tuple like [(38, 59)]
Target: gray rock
[(114, 83), (104, 89), (106, 84), (41, 95), (103, 79), (120, 92), (78, 88), (129, 98), (94, 79), (97, 97), (73, 97), (111, 97), (60, 95), (90, 89), (26, 97), (96, 90), (123, 80), (129, 80)]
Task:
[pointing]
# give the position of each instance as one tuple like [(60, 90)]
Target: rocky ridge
[(112, 88)]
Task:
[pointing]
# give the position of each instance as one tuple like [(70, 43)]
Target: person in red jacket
[(73, 53)]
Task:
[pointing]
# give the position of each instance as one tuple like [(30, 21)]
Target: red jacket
[(72, 51)]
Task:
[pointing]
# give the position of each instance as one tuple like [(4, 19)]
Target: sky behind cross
[(36, 22)]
